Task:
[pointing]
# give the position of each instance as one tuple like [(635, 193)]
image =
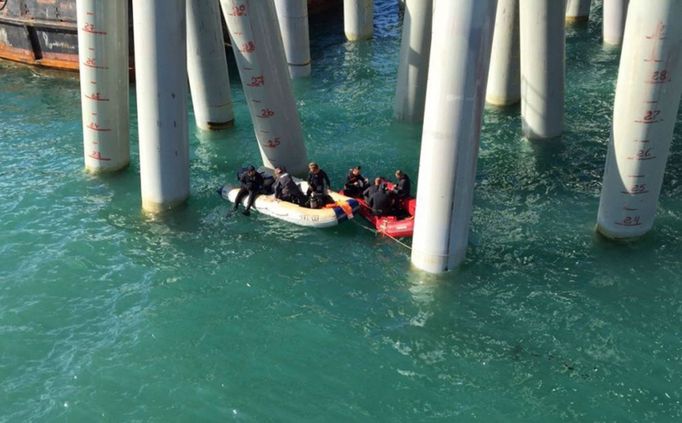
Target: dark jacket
[(402, 187), (316, 181), (358, 180), (251, 183), (381, 202), (285, 187), (369, 192)]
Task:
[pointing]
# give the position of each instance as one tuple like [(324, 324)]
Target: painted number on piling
[(95, 127), (257, 81), (660, 77), (643, 154), (272, 143), (651, 115), (96, 97), (238, 10), (630, 221), (636, 189), (92, 63), (248, 47), (98, 156), (266, 113), (90, 28)]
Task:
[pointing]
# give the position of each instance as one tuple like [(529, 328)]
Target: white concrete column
[(358, 19), (103, 55), (207, 67), (613, 25), (161, 88), (259, 51), (578, 11), (458, 72), (293, 22), (542, 67), (413, 70), (646, 105), (504, 78)]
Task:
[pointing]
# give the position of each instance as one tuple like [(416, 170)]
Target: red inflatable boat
[(397, 226)]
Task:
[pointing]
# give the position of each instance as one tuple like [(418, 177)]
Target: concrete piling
[(504, 78), (358, 19), (258, 48), (207, 67), (413, 70), (293, 22), (578, 11), (161, 88), (645, 111), (103, 56), (613, 24), (458, 72), (542, 67)]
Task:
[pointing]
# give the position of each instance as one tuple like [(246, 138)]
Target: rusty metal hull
[(39, 32)]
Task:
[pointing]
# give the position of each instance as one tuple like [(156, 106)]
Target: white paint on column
[(504, 78), (645, 111), (358, 19), (542, 67), (578, 10), (259, 51), (103, 56), (207, 67), (293, 21), (458, 71), (613, 25), (413, 70), (161, 85)]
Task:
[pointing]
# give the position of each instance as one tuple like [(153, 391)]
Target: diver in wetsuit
[(381, 201), (318, 181), (251, 182), (369, 192), (355, 183), (286, 189), (403, 185), (318, 184)]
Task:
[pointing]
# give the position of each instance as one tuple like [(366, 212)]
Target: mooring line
[(375, 232)]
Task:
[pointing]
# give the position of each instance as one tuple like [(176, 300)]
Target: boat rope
[(398, 241), (364, 227), (382, 233)]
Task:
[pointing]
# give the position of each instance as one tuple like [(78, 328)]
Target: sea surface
[(109, 315)]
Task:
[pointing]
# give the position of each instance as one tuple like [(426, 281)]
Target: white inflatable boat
[(342, 209)]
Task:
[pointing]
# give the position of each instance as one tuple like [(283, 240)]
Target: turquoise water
[(108, 315)]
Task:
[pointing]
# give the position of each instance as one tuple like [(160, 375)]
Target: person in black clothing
[(286, 189), (403, 186), (369, 192), (381, 201), (355, 183), (251, 182), (318, 181)]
